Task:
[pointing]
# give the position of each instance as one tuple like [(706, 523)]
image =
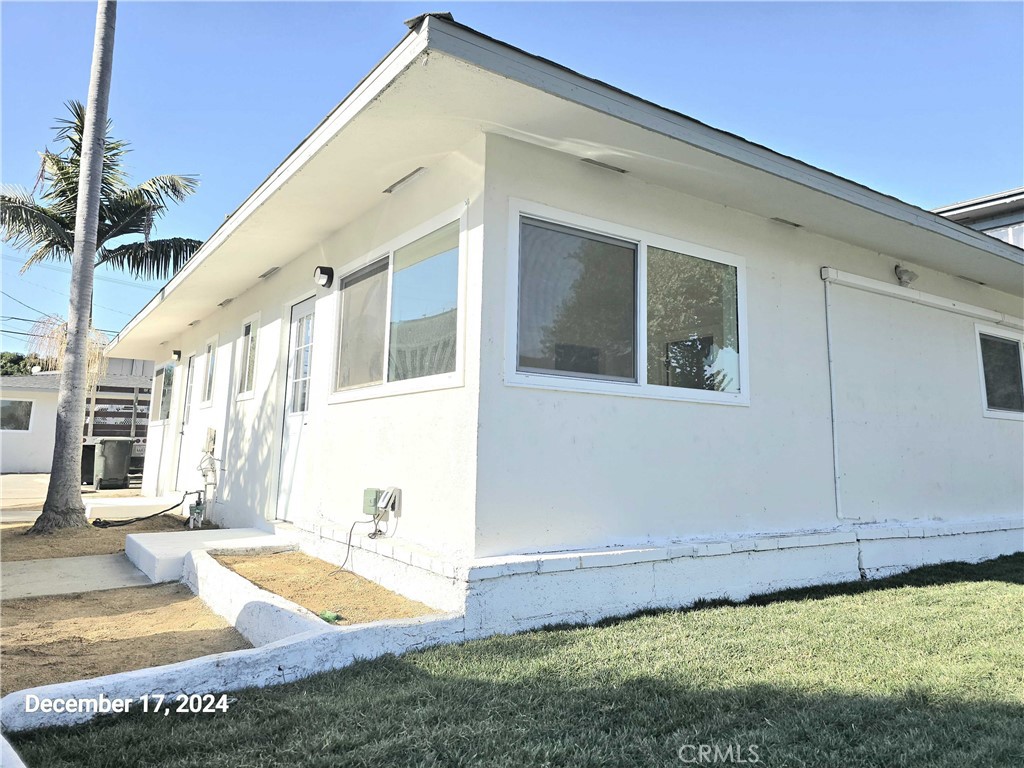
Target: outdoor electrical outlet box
[(370, 498)]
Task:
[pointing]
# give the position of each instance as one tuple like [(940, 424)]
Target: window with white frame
[(597, 307), (398, 316), (15, 415), (247, 358), (211, 367), (1002, 376)]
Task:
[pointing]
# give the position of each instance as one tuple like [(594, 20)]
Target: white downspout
[(826, 275)]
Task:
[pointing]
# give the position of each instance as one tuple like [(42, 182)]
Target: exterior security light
[(323, 276), (905, 276)]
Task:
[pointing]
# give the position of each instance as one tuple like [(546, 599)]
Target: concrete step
[(161, 556), (120, 508)]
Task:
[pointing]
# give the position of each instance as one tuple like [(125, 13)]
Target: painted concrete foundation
[(519, 592)]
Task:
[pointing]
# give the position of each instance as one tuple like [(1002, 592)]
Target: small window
[(15, 415), (577, 303), (1001, 371), (415, 332), (211, 363), (162, 385), (248, 358)]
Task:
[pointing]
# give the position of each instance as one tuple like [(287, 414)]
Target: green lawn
[(924, 669)]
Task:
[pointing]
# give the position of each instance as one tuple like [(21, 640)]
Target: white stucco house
[(612, 357), (119, 407)]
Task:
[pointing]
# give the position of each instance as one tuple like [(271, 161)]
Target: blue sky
[(924, 101)]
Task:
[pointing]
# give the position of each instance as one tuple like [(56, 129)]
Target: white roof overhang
[(443, 85)]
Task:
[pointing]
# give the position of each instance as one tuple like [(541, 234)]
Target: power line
[(132, 284), (30, 320), (19, 301), (61, 293)]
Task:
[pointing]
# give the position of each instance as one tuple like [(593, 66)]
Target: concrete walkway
[(22, 496), (68, 575)]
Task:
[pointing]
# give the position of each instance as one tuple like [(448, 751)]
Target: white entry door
[(290, 489), (188, 477)]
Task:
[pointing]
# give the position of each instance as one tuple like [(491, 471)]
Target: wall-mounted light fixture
[(323, 276), (905, 276), (176, 355)]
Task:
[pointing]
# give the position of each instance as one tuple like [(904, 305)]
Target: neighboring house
[(1000, 215), (613, 358), (28, 413)]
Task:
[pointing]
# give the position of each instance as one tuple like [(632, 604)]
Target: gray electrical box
[(370, 498)]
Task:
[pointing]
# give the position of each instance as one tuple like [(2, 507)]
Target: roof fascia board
[(507, 61), (1013, 197), (400, 57)]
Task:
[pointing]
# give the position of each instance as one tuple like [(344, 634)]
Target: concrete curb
[(8, 757), (260, 616)]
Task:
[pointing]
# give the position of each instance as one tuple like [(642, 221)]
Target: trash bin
[(110, 468), (88, 462)]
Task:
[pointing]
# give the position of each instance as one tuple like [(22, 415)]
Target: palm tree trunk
[(64, 507)]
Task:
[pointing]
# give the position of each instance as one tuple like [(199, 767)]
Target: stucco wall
[(912, 438), (30, 451), (424, 443), (564, 470)]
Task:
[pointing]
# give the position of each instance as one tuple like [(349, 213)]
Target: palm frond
[(25, 224), (161, 190), (155, 260), (120, 217)]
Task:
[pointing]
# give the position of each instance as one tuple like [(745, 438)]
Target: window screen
[(1000, 358), (577, 303), (363, 324)]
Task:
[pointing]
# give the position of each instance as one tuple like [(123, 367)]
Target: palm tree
[(46, 227), (86, 208)]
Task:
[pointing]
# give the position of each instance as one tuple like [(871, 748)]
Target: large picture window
[(15, 415), (402, 310), (627, 314), (1002, 374)]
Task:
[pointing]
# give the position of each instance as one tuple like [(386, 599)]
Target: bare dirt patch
[(74, 637), (319, 586), (76, 542)]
